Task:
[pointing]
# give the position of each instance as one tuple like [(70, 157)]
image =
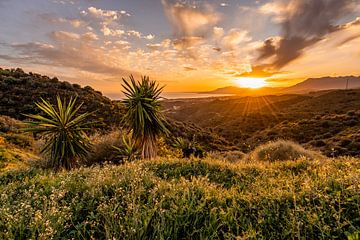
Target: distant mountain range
[(309, 85)]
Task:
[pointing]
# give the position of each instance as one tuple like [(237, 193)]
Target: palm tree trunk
[(149, 149)]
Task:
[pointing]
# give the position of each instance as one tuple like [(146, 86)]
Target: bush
[(103, 148), (230, 156), (281, 150)]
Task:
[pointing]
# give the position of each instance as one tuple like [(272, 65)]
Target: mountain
[(325, 83), (309, 85)]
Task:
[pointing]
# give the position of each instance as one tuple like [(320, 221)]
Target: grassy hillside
[(16, 149), (328, 121), (185, 199)]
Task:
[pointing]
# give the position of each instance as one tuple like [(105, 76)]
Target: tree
[(63, 130), (143, 115)]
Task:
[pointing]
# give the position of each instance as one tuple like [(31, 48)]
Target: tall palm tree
[(63, 130), (143, 115)]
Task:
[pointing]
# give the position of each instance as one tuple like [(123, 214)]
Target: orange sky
[(186, 45)]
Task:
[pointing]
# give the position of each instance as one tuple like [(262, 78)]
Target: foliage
[(229, 156), (63, 130), (321, 120), (102, 148), (128, 152), (184, 199), (188, 148), (143, 113), (19, 91), (281, 150)]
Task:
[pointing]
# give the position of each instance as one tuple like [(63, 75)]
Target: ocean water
[(174, 95)]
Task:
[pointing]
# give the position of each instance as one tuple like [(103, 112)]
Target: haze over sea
[(174, 95)]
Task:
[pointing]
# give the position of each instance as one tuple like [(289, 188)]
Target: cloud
[(83, 57), (111, 14), (50, 18), (64, 36), (257, 72), (303, 23), (189, 21), (89, 36), (234, 37)]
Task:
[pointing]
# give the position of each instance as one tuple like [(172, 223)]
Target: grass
[(281, 150), (185, 199)]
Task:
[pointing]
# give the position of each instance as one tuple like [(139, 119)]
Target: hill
[(328, 121), (19, 91), (325, 83), (184, 199), (309, 85)]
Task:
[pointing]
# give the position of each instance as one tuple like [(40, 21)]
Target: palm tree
[(63, 130), (143, 114)]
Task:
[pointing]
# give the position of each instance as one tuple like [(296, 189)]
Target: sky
[(186, 45)]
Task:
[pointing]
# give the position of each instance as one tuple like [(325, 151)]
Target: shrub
[(280, 150), (230, 156), (103, 148), (64, 131)]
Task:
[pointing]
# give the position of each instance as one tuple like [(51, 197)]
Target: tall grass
[(281, 150), (184, 199)]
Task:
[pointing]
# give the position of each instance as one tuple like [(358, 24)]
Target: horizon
[(190, 46)]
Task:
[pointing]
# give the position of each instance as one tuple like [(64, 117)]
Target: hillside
[(19, 91), (328, 121), (184, 199)]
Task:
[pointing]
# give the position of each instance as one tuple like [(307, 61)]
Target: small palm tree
[(128, 151), (63, 130), (143, 114)]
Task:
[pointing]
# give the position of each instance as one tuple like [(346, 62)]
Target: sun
[(251, 82)]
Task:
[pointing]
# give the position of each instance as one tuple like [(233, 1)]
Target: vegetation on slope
[(16, 149), (184, 199), (327, 121), (19, 91)]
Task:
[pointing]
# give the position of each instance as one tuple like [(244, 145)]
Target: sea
[(174, 95)]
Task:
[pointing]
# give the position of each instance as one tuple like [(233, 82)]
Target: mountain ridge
[(306, 86)]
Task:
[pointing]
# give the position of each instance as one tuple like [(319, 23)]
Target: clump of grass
[(8, 124), (281, 150)]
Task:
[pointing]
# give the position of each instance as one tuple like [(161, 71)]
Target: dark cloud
[(303, 23), (187, 68), (349, 39)]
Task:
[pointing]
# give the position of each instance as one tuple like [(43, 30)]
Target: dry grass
[(281, 150), (185, 199), (103, 150)]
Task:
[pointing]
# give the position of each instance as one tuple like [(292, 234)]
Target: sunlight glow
[(251, 82)]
